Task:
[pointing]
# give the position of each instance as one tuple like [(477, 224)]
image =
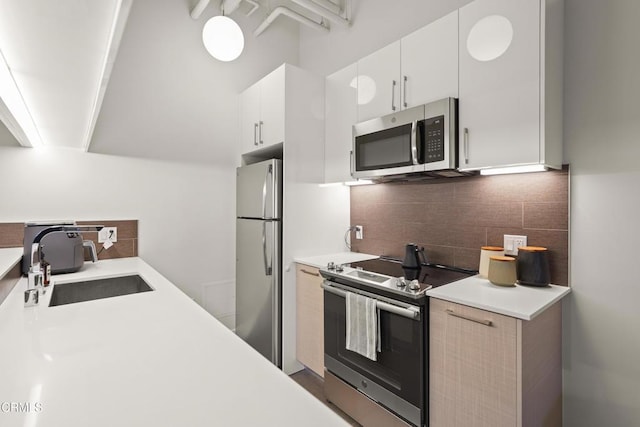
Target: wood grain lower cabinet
[(309, 318), (492, 370)]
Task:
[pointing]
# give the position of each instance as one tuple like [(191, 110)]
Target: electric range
[(396, 383)]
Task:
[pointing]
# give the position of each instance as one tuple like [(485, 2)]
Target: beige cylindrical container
[(487, 252), (502, 270)]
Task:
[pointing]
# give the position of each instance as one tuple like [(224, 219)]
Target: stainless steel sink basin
[(69, 293)]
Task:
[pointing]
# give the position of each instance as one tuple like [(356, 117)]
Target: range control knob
[(331, 266), (339, 268), (414, 285), (401, 282)]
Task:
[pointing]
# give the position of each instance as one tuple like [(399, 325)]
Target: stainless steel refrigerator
[(258, 257)]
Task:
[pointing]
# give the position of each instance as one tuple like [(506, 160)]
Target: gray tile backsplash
[(453, 218)]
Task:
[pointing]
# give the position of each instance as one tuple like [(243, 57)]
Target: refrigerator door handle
[(264, 192), (267, 267)]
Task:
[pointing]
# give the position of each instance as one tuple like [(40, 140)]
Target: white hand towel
[(362, 325)]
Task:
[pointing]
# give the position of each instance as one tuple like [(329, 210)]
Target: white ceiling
[(57, 52), (166, 97)]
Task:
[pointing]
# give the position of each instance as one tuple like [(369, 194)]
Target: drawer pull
[(310, 273), (482, 322)]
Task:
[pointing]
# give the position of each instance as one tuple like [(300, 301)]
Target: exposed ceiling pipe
[(255, 7), (329, 5), (319, 10), (227, 7), (282, 10), (199, 8)]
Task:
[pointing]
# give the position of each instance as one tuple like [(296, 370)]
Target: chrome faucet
[(34, 283)]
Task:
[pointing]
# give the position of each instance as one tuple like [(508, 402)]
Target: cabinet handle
[(460, 316), (310, 273), (466, 146), (261, 123), (393, 95), (255, 134), (404, 92)]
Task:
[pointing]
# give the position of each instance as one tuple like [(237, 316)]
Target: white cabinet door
[(272, 109), (379, 83), (499, 105), (340, 115), (429, 62), (249, 118)]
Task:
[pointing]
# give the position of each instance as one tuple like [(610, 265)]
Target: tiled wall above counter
[(453, 218), (12, 235)]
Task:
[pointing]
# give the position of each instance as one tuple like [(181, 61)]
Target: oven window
[(387, 148), (400, 364)]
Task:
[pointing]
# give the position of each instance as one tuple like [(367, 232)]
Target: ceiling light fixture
[(223, 38)]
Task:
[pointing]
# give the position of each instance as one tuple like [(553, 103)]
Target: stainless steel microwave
[(415, 140)]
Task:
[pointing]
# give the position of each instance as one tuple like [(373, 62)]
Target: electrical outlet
[(512, 243), (108, 233), (359, 232)]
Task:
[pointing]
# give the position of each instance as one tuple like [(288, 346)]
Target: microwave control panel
[(434, 139)]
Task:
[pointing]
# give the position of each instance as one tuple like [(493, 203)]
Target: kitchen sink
[(69, 293)]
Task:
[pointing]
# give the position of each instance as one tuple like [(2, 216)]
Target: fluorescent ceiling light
[(223, 38), (13, 110), (514, 169)]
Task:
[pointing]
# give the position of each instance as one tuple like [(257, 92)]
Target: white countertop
[(522, 302), (148, 359), (9, 257), (321, 261)]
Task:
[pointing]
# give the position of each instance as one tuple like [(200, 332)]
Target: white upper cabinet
[(340, 115), (272, 107), (262, 112), (417, 69), (250, 118), (429, 62), (378, 83), (510, 84)]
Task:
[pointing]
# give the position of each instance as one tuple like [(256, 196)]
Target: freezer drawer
[(258, 286)]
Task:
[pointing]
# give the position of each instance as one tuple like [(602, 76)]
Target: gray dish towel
[(362, 325)]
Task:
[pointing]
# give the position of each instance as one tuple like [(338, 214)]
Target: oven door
[(389, 145), (397, 379)]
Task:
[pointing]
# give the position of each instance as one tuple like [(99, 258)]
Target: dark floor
[(314, 384)]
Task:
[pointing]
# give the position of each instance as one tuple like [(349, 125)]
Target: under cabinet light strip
[(513, 169)]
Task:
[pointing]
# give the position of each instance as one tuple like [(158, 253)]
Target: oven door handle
[(408, 312)]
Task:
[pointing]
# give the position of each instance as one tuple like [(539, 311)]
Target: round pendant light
[(223, 38)]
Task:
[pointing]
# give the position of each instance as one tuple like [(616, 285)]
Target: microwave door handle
[(351, 163), (414, 142)]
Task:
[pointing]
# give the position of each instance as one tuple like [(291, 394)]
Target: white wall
[(185, 212), (602, 124)]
